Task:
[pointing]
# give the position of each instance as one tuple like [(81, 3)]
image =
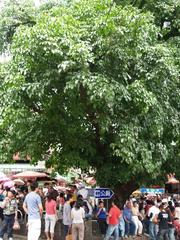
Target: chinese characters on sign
[(153, 190), (103, 193)]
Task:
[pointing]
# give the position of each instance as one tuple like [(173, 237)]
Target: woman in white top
[(135, 219), (78, 215)]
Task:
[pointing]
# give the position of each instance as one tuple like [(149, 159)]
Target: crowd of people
[(158, 217)]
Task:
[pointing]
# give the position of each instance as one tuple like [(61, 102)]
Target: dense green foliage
[(166, 13), (98, 85), (14, 14)]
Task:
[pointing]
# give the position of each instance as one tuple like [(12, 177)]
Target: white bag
[(16, 225)]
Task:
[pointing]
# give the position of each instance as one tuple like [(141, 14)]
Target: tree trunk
[(122, 191)]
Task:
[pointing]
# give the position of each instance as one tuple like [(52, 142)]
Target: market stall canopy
[(29, 174)]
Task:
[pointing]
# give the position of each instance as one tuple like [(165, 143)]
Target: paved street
[(17, 237)]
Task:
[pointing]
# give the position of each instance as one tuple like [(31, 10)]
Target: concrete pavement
[(18, 237)]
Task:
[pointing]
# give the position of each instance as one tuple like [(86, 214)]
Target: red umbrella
[(30, 174)]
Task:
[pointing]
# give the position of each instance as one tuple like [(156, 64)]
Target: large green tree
[(94, 85)]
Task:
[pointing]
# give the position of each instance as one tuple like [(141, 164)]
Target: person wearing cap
[(33, 208), (10, 214)]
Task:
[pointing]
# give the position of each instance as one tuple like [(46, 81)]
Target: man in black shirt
[(164, 220), (171, 210)]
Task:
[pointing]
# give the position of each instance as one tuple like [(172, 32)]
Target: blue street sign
[(153, 190), (103, 193)]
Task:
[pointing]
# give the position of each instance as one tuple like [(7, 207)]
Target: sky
[(1, 3)]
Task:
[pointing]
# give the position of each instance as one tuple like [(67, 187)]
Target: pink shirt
[(50, 207)]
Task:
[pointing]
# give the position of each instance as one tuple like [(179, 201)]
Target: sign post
[(103, 193)]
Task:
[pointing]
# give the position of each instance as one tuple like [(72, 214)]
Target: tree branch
[(12, 28)]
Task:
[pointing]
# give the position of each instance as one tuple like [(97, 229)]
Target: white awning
[(20, 167)]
